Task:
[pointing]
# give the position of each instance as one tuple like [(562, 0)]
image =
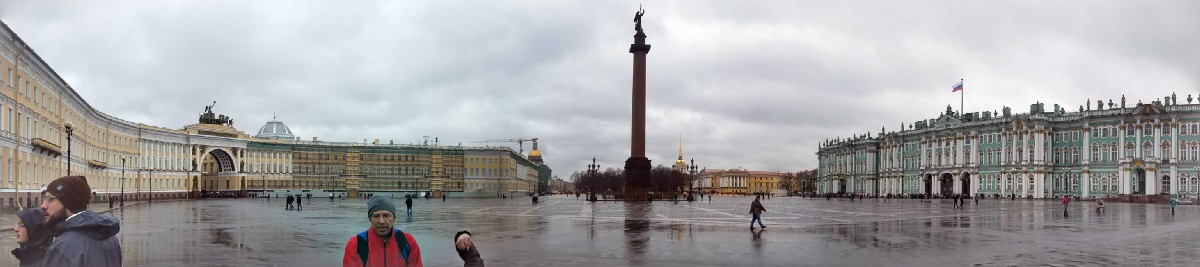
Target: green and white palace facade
[(1108, 150)]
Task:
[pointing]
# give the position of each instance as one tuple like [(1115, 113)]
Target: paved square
[(564, 231)]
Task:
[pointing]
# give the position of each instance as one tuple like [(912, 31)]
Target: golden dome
[(535, 153)]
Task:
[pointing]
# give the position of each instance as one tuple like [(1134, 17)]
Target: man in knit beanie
[(382, 244), (81, 237)]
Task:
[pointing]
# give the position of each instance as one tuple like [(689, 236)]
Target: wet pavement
[(564, 231)]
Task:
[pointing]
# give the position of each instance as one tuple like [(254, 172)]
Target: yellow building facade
[(43, 119), (737, 182)]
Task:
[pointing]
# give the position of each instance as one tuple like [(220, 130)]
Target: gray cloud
[(747, 84)]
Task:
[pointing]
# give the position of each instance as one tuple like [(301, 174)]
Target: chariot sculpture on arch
[(209, 118)]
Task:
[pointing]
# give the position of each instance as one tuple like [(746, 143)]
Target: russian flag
[(957, 87)]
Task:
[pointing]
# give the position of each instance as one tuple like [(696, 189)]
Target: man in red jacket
[(382, 244)]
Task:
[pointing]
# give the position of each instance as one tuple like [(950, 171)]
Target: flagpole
[(962, 94)]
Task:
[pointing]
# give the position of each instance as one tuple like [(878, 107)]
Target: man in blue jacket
[(81, 237)]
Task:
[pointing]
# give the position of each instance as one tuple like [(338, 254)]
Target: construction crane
[(520, 142)]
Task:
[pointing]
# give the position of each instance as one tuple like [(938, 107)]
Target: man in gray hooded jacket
[(81, 237)]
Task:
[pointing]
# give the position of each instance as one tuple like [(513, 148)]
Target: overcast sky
[(751, 84)]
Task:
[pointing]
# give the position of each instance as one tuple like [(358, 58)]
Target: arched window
[(1183, 152), (1104, 184), (1166, 150), (1112, 149), (1147, 150), (1195, 149)]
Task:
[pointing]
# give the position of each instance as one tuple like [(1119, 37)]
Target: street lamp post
[(70, 129), (122, 181), (692, 185)]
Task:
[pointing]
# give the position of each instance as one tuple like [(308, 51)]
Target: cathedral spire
[(680, 147)]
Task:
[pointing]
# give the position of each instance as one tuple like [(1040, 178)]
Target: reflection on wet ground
[(564, 231)]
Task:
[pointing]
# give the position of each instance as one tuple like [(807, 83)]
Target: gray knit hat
[(378, 203)]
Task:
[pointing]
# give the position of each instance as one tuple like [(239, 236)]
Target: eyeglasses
[(384, 216), (48, 198)]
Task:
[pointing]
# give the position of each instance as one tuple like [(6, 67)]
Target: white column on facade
[(1121, 142), (955, 184), (1153, 182), (1137, 152), (1174, 157), (935, 185), (1087, 137), (959, 141), (1038, 143), (1001, 183), (921, 162), (1157, 141), (1086, 183), (1003, 153), (974, 184), (1039, 181), (1137, 141)]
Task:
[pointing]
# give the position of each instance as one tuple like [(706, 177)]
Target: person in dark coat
[(299, 206), (290, 199), (81, 237), (408, 204), (466, 250), (756, 210), (33, 238)]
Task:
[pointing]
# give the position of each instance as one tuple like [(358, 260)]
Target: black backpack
[(365, 251)]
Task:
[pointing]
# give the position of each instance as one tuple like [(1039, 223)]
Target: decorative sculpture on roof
[(1189, 98), (1122, 101), (1099, 104), (1110, 103), (1174, 99), (209, 118), (1089, 104)]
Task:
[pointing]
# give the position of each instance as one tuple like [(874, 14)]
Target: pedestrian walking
[(299, 205), (33, 238), (977, 200), (382, 244), (1066, 200), (1100, 205), (290, 199), (408, 204), (81, 237), (443, 197), (756, 210), (1173, 202)]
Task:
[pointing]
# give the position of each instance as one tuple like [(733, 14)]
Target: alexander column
[(637, 167)]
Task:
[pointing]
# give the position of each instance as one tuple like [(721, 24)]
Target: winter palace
[(1105, 149)]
